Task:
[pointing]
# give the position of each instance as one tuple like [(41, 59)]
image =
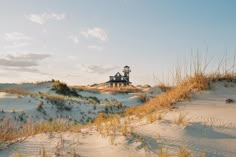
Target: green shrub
[(62, 88), (95, 99)]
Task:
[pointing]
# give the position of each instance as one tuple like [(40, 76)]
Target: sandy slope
[(211, 128), (43, 87), (73, 144), (82, 109)]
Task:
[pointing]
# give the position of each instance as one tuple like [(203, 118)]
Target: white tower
[(126, 71)]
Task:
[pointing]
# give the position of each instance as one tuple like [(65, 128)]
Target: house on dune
[(119, 80)]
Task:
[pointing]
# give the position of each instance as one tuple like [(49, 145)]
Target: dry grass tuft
[(164, 87), (181, 120), (183, 152), (17, 154), (17, 91), (153, 117), (163, 153), (179, 93), (101, 88), (43, 152), (10, 129)]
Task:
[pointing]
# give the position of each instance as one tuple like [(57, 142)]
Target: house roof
[(118, 74)]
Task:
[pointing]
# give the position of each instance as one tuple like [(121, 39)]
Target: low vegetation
[(197, 79), (10, 129), (101, 88), (17, 91), (163, 152), (184, 152), (17, 154), (181, 119), (179, 93), (152, 117), (62, 88), (164, 87)]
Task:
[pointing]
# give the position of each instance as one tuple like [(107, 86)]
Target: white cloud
[(17, 44), (16, 40), (22, 69), (29, 57), (72, 58), (45, 17), (74, 38), (96, 33), (95, 47), (98, 69), (28, 60), (16, 36)]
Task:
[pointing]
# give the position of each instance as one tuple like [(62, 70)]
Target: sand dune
[(210, 128)]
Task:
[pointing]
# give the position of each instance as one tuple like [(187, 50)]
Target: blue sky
[(83, 42)]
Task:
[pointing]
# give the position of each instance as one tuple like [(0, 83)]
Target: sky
[(86, 41)]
